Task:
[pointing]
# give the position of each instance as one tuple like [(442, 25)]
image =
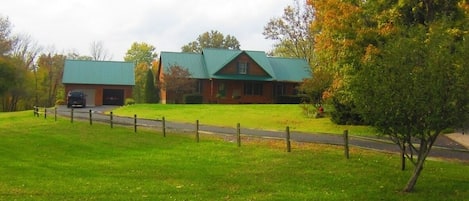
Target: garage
[(113, 97), (103, 82)]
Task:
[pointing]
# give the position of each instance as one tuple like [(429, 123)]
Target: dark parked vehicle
[(76, 98)]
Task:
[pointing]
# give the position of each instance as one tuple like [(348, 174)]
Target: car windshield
[(76, 94)]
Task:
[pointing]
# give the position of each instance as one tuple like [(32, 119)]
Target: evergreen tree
[(151, 94)]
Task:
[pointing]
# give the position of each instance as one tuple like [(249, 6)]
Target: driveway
[(62, 109), (444, 147)]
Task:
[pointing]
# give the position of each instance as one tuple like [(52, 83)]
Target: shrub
[(292, 99), (193, 99), (129, 101), (344, 114)]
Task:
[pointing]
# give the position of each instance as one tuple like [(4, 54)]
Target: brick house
[(236, 76), (103, 82)]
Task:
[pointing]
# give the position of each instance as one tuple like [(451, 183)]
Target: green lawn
[(46, 160), (265, 116)]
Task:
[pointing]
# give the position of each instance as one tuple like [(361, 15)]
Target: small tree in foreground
[(414, 88), (177, 80)]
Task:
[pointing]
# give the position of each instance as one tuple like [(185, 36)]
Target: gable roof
[(216, 59), (98, 72), (205, 65)]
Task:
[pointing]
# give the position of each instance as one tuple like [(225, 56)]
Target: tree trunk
[(425, 148), (413, 179)]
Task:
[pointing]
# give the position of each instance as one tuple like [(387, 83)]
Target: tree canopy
[(401, 65), (212, 39), (7, 74), (292, 32), (5, 40), (142, 54), (98, 52), (177, 80)]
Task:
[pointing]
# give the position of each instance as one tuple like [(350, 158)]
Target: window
[(279, 90), (221, 90), (253, 88), (199, 87), (242, 67)]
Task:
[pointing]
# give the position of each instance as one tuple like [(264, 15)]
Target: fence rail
[(112, 120)]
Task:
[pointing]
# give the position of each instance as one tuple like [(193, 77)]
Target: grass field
[(265, 116), (41, 159)]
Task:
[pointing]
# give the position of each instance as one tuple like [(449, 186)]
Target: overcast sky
[(66, 25)]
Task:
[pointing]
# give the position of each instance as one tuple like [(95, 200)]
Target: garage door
[(113, 97), (90, 94)]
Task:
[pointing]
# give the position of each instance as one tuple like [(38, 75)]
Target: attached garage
[(103, 82)]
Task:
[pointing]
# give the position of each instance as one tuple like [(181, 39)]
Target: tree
[(5, 41), (19, 94), (49, 73), (98, 53), (293, 32), (77, 56), (212, 39), (295, 38), (423, 90), (7, 74), (142, 54), (177, 81), (151, 94), (401, 65), (25, 51)]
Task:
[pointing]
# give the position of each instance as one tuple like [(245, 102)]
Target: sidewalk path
[(461, 138), (445, 146)]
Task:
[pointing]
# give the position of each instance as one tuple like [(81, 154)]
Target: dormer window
[(243, 67)]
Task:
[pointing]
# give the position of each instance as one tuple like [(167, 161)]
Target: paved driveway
[(96, 109), (444, 147)]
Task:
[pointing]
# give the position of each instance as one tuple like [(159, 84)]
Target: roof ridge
[(179, 52), (79, 60)]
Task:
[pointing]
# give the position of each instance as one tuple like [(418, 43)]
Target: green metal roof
[(288, 69), (98, 72), (216, 59), (262, 60), (192, 61), (210, 61)]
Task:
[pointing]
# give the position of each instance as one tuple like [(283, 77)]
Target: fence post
[(135, 123), (197, 138), (45, 113), (55, 113), (403, 156), (346, 144), (110, 116), (91, 117), (36, 111), (71, 115), (238, 134), (164, 127), (288, 139)]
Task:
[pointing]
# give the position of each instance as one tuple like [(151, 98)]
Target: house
[(103, 82), (236, 76)]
